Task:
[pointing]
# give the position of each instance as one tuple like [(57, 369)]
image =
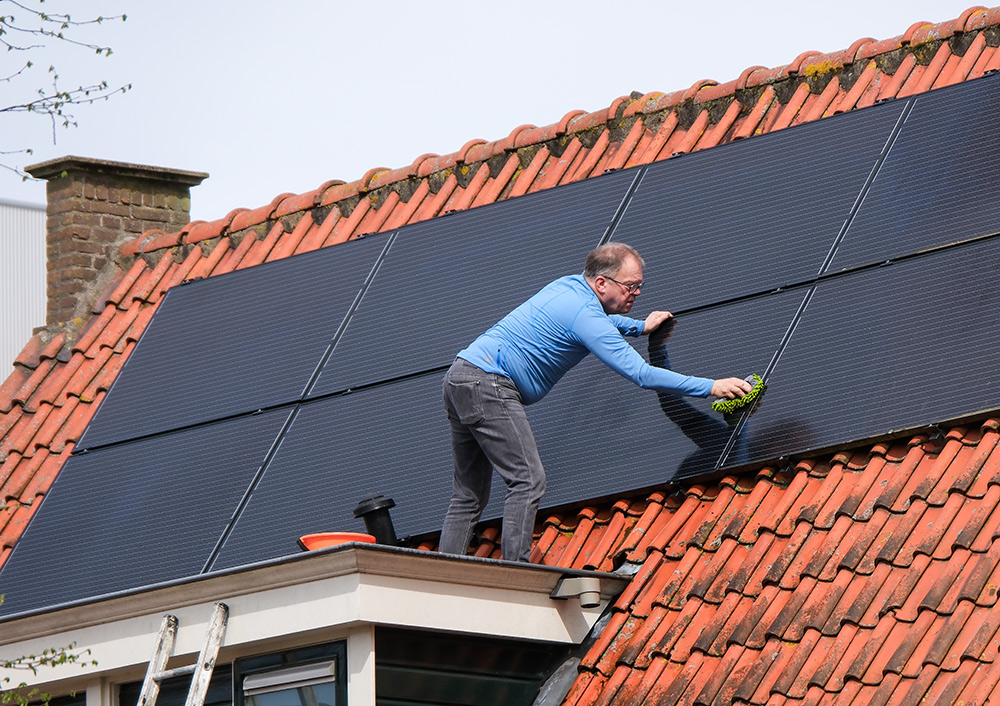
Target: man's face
[(614, 291)]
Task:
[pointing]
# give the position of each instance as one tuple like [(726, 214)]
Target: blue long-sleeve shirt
[(539, 341)]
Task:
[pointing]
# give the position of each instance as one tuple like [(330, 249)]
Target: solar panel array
[(852, 261)]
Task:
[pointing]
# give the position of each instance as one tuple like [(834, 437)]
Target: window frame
[(335, 652)]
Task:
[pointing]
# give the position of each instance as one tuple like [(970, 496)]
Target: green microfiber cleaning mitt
[(729, 407)]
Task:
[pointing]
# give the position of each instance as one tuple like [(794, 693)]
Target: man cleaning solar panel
[(517, 361)]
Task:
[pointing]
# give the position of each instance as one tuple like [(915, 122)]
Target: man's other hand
[(654, 320), (730, 388)]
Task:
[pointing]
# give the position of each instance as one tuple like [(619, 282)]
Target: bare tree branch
[(27, 29)]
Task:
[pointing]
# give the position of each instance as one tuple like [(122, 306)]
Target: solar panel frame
[(920, 201), (390, 439)]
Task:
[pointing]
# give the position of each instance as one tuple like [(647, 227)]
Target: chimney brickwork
[(94, 206)]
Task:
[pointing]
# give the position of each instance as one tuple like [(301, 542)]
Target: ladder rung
[(177, 672)]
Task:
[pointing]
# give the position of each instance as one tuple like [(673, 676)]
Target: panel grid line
[(738, 429), (866, 188), (339, 333), (244, 501), (623, 206)]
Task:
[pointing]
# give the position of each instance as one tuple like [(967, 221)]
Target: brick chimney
[(94, 206)]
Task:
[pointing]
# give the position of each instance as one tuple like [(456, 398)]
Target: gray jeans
[(489, 430)]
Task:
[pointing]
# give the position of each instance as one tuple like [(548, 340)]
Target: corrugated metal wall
[(22, 278)]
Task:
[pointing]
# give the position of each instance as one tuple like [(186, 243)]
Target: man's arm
[(627, 326), (659, 326), (599, 333), (614, 352)]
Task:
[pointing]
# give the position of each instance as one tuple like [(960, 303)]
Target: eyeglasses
[(632, 288)]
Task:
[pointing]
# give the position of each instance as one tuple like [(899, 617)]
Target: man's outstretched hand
[(730, 388), (654, 320)]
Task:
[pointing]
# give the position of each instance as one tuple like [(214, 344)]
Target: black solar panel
[(939, 183), (753, 215), (136, 514), (886, 349), (388, 439), (227, 345), (599, 434), (445, 281)]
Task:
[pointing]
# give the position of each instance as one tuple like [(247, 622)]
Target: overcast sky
[(280, 97)]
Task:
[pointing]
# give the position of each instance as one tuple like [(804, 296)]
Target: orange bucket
[(321, 540)]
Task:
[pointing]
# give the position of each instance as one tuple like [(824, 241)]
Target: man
[(517, 362)]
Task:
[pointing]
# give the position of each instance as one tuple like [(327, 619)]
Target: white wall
[(22, 278)]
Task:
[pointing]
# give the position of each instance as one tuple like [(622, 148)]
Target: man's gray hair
[(606, 260)]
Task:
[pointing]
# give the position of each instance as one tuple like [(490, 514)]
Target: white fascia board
[(314, 597), (502, 611)]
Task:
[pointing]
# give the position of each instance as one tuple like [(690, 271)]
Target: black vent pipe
[(375, 512)]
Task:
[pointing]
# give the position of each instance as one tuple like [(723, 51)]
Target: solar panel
[(938, 184), (886, 349), (390, 439), (137, 513), (754, 215), (598, 434), (445, 281), (227, 345)]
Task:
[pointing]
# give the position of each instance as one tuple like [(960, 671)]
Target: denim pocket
[(467, 402)]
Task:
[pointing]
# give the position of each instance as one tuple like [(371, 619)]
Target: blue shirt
[(538, 342)]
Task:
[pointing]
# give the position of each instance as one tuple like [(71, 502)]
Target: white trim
[(361, 666), (316, 597), (100, 693)]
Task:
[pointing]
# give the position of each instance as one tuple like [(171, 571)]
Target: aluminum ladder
[(200, 671)]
